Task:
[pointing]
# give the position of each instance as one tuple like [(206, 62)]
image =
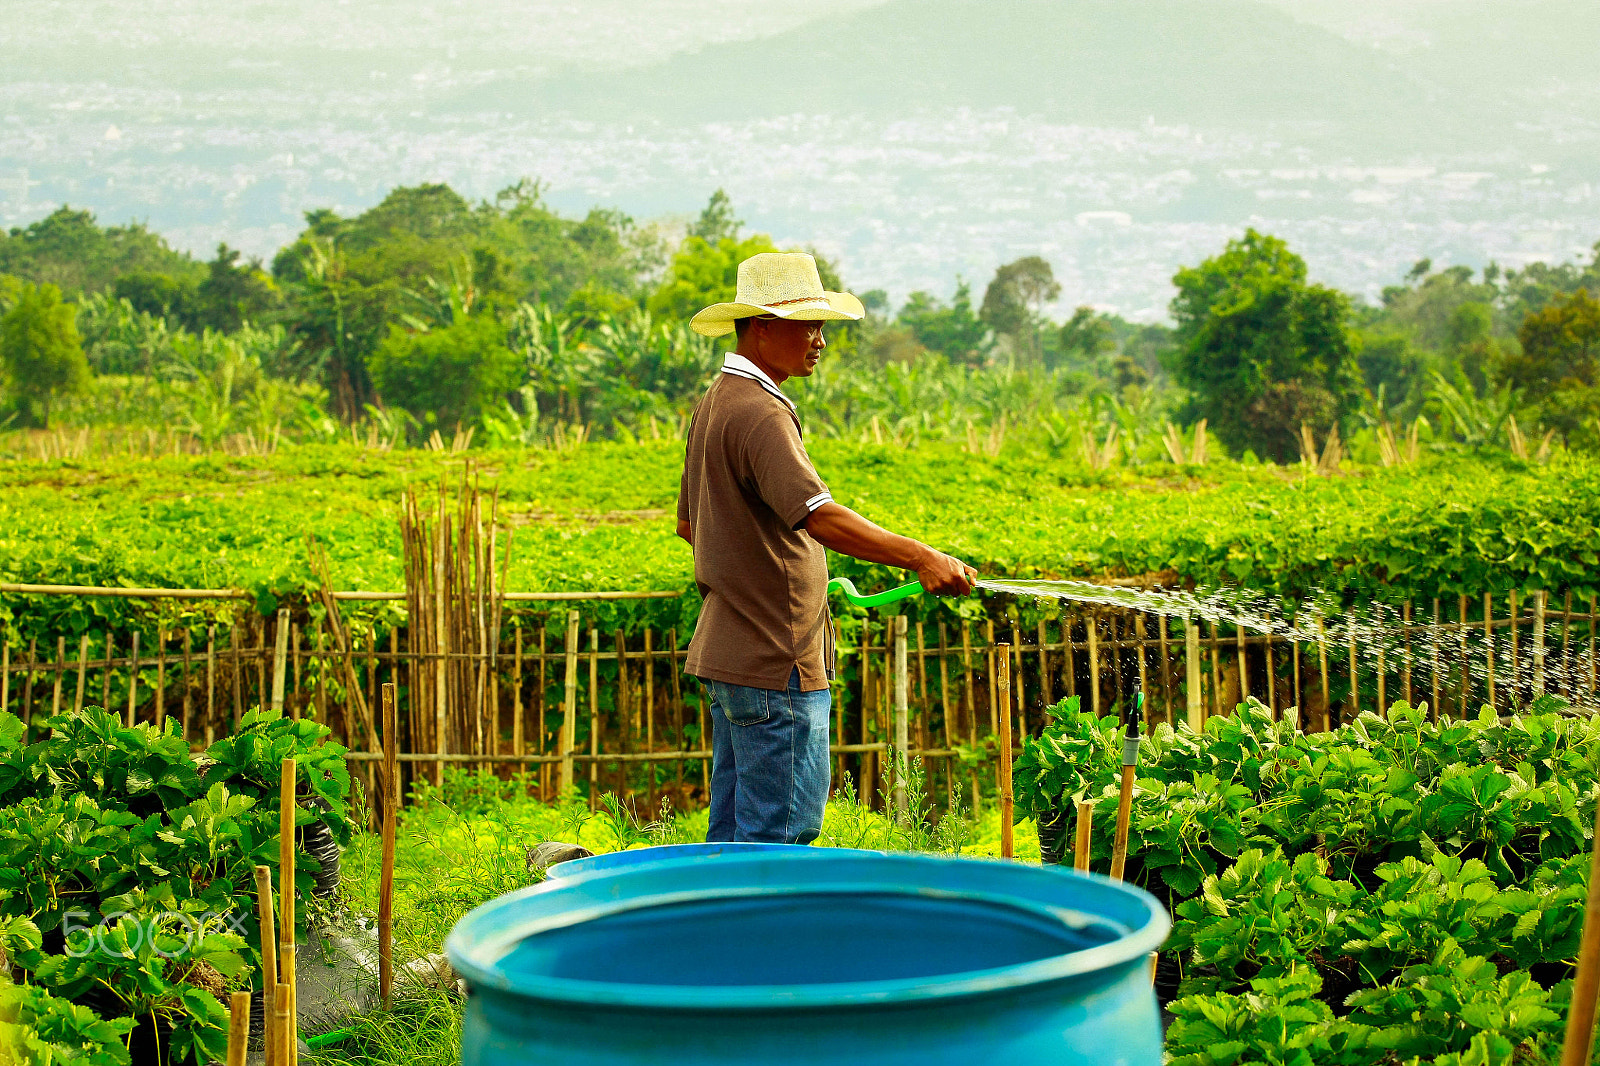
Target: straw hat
[(785, 284)]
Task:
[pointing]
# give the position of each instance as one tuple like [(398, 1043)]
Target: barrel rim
[(700, 849), (484, 976)]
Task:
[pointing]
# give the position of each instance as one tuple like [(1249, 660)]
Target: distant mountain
[(1206, 63)]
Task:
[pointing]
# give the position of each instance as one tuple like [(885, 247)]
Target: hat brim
[(718, 319)]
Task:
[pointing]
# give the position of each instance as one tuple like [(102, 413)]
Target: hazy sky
[(216, 121)]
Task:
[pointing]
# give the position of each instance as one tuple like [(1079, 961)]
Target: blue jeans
[(769, 763)]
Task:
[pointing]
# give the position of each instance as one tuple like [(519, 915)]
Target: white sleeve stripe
[(818, 500)]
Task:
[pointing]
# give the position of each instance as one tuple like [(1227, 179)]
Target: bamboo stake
[(1130, 762), (1466, 667), (1016, 673), (1437, 639), (569, 711), (27, 684), (1143, 679), (1579, 1043), (105, 675), (1322, 660), (1591, 644), (391, 803), (1299, 689), (61, 665), (1091, 628), (902, 742), (518, 736), (1068, 667), (294, 643), (238, 678), (944, 701), (133, 677), (283, 1024), (994, 698), (1044, 664), (1244, 663), (238, 1028), (1538, 642), (1080, 853), (83, 669), (280, 659), (1488, 647), (650, 710), (1566, 647), (287, 938), (1355, 671), (1515, 604), (5, 674), (1382, 669), (1166, 669), (211, 684), (1216, 670), (972, 708), (594, 716), (1191, 659), (1405, 652), (1006, 813), (269, 957), (188, 664), (161, 679)]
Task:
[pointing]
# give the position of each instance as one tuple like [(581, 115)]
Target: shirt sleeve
[(683, 492), (784, 476)]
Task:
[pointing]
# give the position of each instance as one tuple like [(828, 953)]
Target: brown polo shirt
[(748, 487)]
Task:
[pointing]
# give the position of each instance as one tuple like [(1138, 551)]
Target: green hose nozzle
[(846, 586)]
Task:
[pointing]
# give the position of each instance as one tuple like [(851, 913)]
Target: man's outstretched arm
[(835, 526)]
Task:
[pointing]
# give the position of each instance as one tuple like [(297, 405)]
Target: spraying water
[(1521, 663)]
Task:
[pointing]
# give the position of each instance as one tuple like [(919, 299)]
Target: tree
[(1559, 368), (1261, 349), (232, 294), (40, 351), (703, 273), (952, 330), (446, 376), (716, 223), (1085, 339), (1014, 302)]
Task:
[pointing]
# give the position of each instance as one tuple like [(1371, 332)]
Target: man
[(758, 517)]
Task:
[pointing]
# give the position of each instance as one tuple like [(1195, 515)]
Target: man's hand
[(835, 526), (685, 532), (945, 575)]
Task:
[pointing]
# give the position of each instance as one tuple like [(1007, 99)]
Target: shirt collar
[(739, 366)]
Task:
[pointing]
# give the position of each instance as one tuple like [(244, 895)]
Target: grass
[(465, 844)]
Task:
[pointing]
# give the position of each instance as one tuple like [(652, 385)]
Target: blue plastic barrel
[(616, 860), (779, 959)]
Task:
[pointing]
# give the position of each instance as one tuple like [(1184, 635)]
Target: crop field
[(601, 517), (1405, 888)]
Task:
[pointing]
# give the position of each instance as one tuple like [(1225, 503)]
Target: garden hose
[(846, 586)]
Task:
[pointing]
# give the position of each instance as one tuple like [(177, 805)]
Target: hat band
[(798, 300)]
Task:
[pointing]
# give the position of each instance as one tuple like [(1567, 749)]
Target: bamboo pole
[(133, 677), (83, 670), (1405, 652), (902, 740), (944, 703), (569, 709), (1044, 664), (1383, 703), (105, 673), (594, 716), (650, 710), (1514, 603), (283, 1024), (287, 938), (1592, 613), (1191, 659), (5, 674), (211, 684), (1272, 678), (269, 956), (1139, 633), (61, 665), (972, 709), (1215, 642), (994, 697), (391, 803), (1091, 628), (1437, 639), (238, 1028), (1538, 642), (518, 736), (1488, 647), (161, 679), (1003, 663), (1243, 658), (1322, 662), (1566, 647), (280, 657), (188, 665), (238, 676), (27, 684), (1166, 668), (1466, 666), (1579, 1042), (1085, 826)]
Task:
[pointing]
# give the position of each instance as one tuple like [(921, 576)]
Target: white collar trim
[(740, 366)]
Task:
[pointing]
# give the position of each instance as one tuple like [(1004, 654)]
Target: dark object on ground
[(549, 852), (1053, 835)]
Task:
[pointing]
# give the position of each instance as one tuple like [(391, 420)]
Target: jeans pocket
[(741, 704)]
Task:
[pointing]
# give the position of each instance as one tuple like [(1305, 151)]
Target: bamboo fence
[(553, 695)]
